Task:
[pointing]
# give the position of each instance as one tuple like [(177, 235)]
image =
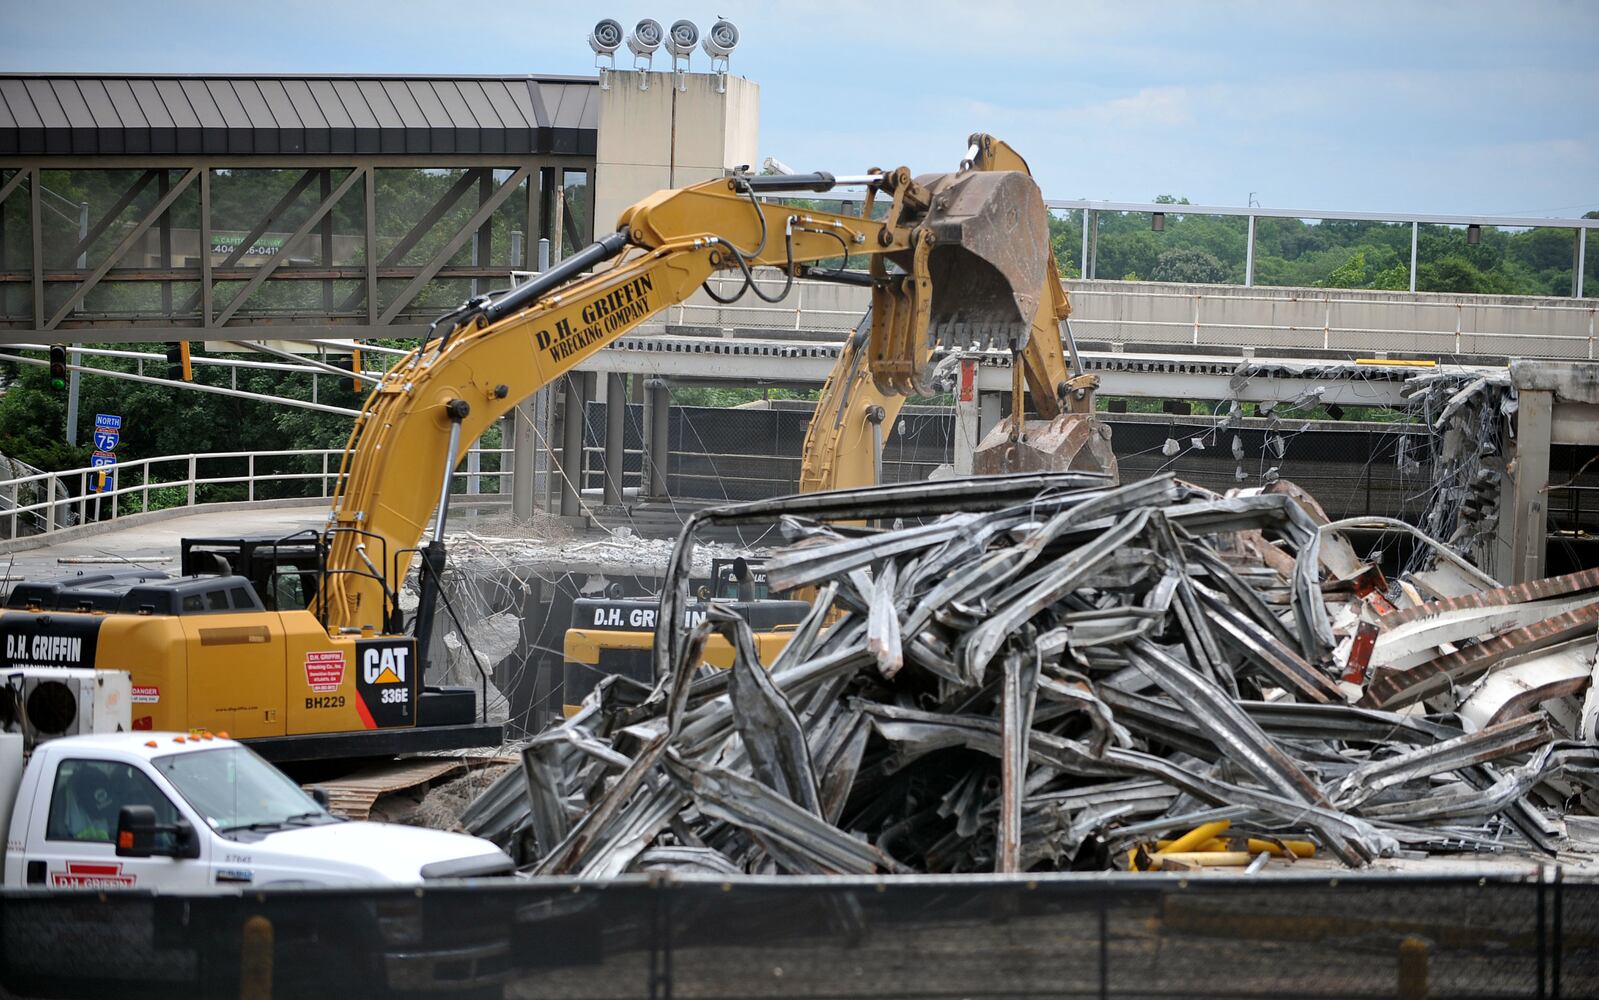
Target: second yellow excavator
[(868, 385)]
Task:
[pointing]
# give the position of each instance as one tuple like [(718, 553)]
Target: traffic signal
[(178, 364), (58, 367)]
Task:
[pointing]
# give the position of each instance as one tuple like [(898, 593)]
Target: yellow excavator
[(300, 644), (870, 382)]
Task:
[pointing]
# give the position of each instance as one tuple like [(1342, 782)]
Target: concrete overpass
[(1163, 317)]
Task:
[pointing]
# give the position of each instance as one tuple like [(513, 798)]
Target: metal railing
[(1088, 212), (1229, 317), (187, 476)]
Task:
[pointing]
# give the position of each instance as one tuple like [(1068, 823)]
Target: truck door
[(236, 664), (70, 842)]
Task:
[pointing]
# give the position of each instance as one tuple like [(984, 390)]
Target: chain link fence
[(736, 453), (1089, 936)]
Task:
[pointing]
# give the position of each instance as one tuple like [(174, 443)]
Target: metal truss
[(222, 310)]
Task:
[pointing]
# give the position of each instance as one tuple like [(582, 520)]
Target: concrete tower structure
[(663, 137)]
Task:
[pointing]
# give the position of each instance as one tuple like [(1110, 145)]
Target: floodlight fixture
[(646, 37), (605, 39), (680, 41), (721, 40), (1157, 222), (719, 44), (1473, 234)]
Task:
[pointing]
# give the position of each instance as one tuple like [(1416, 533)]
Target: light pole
[(82, 264)]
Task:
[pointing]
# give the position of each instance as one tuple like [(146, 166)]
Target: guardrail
[(1227, 317), (187, 476)]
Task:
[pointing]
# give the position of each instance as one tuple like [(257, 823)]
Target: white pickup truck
[(193, 814)]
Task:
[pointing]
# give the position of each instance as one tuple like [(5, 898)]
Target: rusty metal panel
[(1398, 688), (1518, 593)]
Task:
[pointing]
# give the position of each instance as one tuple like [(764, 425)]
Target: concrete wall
[(663, 137)]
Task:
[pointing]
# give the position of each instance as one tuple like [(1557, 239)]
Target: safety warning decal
[(92, 875), (324, 670), (146, 694)]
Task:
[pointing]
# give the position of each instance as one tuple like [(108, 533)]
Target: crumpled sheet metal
[(1037, 672)]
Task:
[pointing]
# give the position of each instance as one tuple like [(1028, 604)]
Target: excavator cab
[(285, 572)]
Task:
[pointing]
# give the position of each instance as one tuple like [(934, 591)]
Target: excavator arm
[(482, 359), (857, 407)]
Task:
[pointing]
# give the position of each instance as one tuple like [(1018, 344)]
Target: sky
[(1460, 108)]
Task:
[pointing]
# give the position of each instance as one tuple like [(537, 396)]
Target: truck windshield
[(235, 790)]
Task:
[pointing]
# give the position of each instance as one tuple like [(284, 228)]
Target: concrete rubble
[(1048, 672)]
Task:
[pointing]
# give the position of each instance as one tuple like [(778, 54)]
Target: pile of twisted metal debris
[(1048, 671)]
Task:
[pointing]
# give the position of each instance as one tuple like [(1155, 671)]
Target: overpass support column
[(657, 428), (987, 413), (615, 424), (578, 385), (1523, 503), (968, 429), (524, 448)]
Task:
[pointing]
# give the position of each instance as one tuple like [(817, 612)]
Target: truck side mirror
[(319, 795), (137, 831)]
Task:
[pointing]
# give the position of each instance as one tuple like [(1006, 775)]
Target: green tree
[(1452, 274), (1188, 266), (1394, 279), (1350, 274)]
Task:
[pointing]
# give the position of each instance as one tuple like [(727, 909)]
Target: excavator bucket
[(1071, 442), (987, 262)]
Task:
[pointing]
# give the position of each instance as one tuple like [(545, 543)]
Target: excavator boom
[(494, 352)]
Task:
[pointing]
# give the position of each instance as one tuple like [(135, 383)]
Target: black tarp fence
[(1111, 935), (739, 453)]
